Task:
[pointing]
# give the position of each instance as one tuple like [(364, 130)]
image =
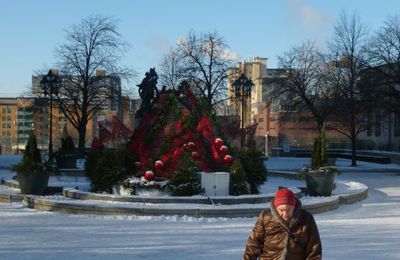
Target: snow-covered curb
[(225, 200), (355, 192)]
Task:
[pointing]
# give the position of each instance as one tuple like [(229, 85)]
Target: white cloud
[(230, 55), (313, 22)]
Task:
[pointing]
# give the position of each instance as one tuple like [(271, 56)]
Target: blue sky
[(31, 29)]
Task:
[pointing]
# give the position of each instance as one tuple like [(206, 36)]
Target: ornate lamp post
[(50, 85), (243, 86), (266, 144)]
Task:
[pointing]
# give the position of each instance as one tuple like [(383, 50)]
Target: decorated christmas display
[(176, 141), (171, 123)]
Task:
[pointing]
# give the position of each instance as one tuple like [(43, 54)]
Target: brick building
[(21, 115)]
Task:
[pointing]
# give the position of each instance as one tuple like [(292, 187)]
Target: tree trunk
[(82, 134), (82, 137)]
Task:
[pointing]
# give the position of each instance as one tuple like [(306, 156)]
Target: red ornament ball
[(223, 150), (218, 142), (190, 146), (158, 165), (149, 175), (228, 159), (195, 155)]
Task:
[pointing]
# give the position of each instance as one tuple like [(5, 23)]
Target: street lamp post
[(50, 84), (266, 144), (15, 122), (243, 86)]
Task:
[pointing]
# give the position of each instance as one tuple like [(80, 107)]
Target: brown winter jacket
[(273, 238)]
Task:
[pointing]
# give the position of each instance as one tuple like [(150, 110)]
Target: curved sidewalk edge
[(10, 198), (223, 200), (231, 211)]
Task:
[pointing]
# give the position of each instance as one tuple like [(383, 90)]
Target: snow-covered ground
[(365, 230)]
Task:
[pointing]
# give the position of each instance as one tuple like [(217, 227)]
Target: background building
[(19, 116), (277, 124)]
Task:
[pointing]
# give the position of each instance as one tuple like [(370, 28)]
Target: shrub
[(31, 161), (319, 156), (253, 166), (319, 159), (237, 180), (184, 181), (67, 148), (108, 167)]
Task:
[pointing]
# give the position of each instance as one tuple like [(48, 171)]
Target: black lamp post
[(50, 85), (243, 86)]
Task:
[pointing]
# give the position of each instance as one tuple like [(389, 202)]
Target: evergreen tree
[(32, 153), (319, 156)]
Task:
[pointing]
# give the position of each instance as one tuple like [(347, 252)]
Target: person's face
[(285, 211)]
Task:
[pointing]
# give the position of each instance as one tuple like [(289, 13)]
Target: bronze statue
[(148, 92), (148, 88)]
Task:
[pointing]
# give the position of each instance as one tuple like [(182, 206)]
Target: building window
[(4, 125), (8, 133), (8, 110), (8, 125), (8, 118), (4, 110), (3, 118), (378, 124), (261, 119)]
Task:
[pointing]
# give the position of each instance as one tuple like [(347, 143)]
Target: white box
[(215, 183)]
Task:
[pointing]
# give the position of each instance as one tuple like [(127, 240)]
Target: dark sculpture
[(148, 93), (148, 88)]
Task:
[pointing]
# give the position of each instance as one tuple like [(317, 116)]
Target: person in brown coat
[(286, 231)]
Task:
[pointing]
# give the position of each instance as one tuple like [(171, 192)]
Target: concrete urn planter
[(320, 184), (66, 162), (35, 184)]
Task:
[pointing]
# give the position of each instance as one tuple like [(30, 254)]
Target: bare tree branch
[(93, 45)]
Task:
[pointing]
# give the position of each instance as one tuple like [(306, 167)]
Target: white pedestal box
[(215, 183)]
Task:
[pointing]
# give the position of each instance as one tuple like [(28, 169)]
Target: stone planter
[(320, 184), (33, 183), (68, 162)]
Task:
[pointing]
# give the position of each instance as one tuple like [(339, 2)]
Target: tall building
[(20, 116), (255, 70), (277, 124)]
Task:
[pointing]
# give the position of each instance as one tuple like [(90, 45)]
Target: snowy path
[(366, 230), (369, 229)]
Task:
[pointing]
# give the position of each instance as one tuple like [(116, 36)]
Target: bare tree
[(305, 82), (384, 52), (202, 61), (171, 70), (91, 46), (348, 53)]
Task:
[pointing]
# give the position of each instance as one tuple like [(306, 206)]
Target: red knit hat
[(284, 197)]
